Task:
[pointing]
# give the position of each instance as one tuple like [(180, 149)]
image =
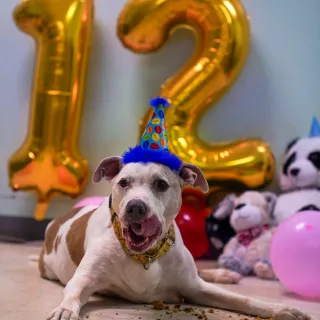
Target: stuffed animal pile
[(254, 216)]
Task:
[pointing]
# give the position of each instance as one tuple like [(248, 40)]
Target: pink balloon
[(295, 253), (96, 201)]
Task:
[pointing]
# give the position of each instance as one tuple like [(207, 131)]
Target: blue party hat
[(315, 128), (153, 146)]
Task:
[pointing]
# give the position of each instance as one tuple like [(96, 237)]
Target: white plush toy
[(300, 176), (300, 186), (251, 217)]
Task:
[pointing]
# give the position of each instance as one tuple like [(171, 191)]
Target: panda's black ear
[(291, 144)]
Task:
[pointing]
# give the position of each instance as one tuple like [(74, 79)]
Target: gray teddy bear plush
[(250, 215)]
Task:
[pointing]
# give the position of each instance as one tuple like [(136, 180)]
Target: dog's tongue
[(148, 227)]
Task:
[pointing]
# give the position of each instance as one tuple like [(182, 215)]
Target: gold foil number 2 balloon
[(49, 161), (222, 34)]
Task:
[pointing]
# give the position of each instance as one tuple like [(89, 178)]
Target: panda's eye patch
[(288, 163), (309, 207), (314, 157)]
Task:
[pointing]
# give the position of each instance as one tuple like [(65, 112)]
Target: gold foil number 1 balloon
[(49, 161), (222, 33)]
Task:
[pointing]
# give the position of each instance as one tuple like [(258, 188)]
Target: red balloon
[(206, 212), (192, 226), (195, 197)]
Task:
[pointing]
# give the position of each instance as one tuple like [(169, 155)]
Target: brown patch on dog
[(56, 243), (53, 229), (42, 269), (76, 236)]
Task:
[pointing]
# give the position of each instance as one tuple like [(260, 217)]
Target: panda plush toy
[(300, 176)]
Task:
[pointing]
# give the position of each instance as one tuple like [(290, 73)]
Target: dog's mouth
[(141, 236)]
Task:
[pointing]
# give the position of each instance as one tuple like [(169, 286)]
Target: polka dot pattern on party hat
[(155, 137), (153, 146)]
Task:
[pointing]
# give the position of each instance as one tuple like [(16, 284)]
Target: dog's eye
[(123, 183), (161, 185)]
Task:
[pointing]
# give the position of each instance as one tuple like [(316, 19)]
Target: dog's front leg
[(196, 290), (75, 295), (210, 295), (78, 290)]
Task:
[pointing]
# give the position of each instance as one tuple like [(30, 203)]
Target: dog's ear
[(225, 207), (271, 199), (107, 169), (193, 176)]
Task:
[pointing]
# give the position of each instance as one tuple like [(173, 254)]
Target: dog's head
[(301, 168), (147, 197), (249, 210)]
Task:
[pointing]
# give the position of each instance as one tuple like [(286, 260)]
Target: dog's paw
[(291, 314), (227, 276), (63, 314), (264, 271), (220, 276)]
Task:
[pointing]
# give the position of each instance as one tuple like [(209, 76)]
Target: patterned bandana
[(150, 256), (246, 237)]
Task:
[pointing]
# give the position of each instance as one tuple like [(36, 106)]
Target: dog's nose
[(294, 172), (136, 210), (240, 206)]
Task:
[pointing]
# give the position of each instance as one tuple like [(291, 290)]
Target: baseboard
[(21, 229)]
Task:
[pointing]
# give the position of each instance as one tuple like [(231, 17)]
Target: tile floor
[(25, 296)]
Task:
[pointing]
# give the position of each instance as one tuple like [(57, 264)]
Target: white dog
[(134, 249)]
